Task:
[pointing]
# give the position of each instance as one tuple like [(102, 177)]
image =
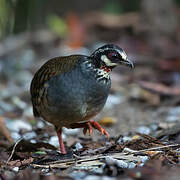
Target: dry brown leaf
[(4, 130), (107, 121), (19, 163)]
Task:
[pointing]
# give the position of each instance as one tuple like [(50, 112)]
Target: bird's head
[(110, 56)]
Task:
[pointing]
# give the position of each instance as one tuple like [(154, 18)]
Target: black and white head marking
[(110, 55), (106, 58)]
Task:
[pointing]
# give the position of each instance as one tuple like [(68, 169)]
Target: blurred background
[(145, 99)]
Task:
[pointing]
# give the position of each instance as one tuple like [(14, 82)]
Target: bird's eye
[(112, 55)]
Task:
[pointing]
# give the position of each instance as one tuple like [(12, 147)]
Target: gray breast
[(76, 95)]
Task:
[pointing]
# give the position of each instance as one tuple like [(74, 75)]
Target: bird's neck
[(102, 73), (106, 69)]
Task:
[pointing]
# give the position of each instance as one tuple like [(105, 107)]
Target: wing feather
[(51, 68)]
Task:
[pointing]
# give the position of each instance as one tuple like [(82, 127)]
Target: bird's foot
[(97, 126), (88, 126)]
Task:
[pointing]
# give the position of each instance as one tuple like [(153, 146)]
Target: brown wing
[(52, 67)]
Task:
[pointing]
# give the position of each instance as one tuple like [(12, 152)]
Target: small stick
[(13, 150), (154, 148)]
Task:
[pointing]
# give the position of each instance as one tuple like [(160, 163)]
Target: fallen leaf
[(4, 130), (107, 121)]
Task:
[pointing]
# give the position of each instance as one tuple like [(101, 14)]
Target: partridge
[(68, 91)]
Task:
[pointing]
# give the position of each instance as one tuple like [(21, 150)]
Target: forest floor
[(142, 116)]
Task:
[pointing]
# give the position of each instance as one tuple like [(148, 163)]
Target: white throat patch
[(105, 59)]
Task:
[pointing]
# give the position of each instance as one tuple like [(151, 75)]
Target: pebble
[(120, 163), (40, 124), (15, 136), (131, 165), (45, 171), (16, 169), (143, 130), (144, 158), (126, 138), (71, 131), (97, 170), (29, 135), (54, 140), (109, 160), (141, 165), (78, 146), (16, 125), (33, 141)]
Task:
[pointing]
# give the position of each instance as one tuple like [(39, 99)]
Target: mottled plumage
[(51, 68), (68, 91)]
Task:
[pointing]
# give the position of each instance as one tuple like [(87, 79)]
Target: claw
[(106, 133), (89, 126), (97, 126), (90, 129)]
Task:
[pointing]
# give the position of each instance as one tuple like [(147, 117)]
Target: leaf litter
[(148, 147)]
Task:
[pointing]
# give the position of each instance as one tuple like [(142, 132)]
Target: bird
[(68, 91)]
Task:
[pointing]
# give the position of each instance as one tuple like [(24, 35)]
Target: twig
[(97, 159), (13, 150), (87, 161), (154, 148)]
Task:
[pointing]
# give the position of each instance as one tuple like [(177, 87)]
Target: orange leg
[(88, 126), (61, 143)]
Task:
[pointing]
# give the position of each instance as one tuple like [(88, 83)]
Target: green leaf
[(57, 25), (40, 152)]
